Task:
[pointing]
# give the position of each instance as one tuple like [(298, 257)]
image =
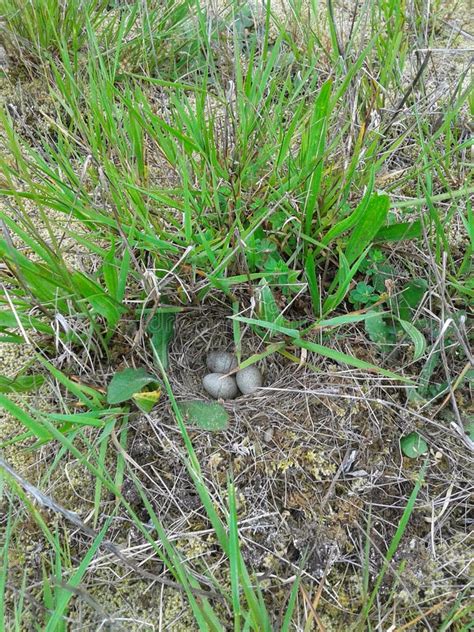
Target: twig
[(435, 608), (409, 90), (458, 381), (336, 478)]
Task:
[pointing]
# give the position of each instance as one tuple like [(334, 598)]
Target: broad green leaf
[(413, 445), (17, 340), (8, 320), (161, 332), (400, 231), (146, 399), (43, 283), (205, 415), (379, 331), (312, 151), (100, 301), (410, 297), (416, 336), (68, 427), (20, 384), (22, 261), (123, 275), (342, 280), (425, 376), (93, 417), (337, 321), (256, 357), (367, 227), (349, 222), (267, 307), (127, 383), (313, 284), (110, 269)]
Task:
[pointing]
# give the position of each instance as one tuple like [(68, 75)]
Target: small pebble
[(249, 379), (221, 361), (268, 435), (220, 387), (4, 62)]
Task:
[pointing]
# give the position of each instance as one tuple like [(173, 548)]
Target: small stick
[(336, 478)]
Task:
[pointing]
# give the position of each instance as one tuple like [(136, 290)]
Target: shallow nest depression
[(315, 459)]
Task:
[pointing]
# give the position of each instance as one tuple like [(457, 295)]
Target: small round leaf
[(205, 415), (413, 445)]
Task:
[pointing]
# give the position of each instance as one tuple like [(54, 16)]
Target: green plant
[(56, 595), (388, 556), (413, 445), (205, 415), (136, 385), (363, 294), (20, 383), (286, 248), (43, 25), (160, 330), (134, 34)]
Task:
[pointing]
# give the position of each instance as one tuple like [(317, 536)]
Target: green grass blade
[(394, 544), (33, 425), (343, 358), (64, 595)]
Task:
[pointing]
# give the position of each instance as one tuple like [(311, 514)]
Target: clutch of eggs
[(222, 386)]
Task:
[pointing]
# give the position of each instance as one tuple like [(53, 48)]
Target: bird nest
[(311, 453)]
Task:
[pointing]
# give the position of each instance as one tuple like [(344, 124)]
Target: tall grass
[(138, 33), (36, 27), (258, 165)]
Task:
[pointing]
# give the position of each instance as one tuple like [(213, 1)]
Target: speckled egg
[(219, 386), (249, 379), (221, 361)]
